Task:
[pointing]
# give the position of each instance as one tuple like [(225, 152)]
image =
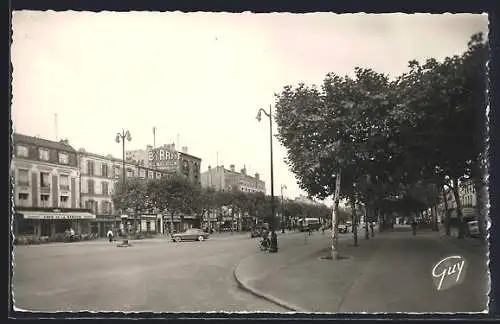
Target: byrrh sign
[(163, 155)]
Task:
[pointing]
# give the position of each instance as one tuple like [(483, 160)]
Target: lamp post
[(282, 210), (124, 135), (273, 207)]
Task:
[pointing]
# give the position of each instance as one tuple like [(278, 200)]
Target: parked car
[(343, 228), (473, 228), (192, 234)]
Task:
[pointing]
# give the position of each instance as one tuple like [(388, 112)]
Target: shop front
[(47, 222)]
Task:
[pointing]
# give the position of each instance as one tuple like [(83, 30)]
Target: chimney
[(257, 176), (184, 149), (232, 167), (149, 147), (244, 170), (209, 168)]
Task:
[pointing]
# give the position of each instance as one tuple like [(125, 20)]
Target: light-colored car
[(343, 228), (192, 234)]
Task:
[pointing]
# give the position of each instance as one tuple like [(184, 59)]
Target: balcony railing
[(45, 204), (45, 188), (23, 203), (23, 183), (64, 204), (64, 187)]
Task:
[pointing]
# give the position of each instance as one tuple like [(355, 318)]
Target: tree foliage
[(396, 141)]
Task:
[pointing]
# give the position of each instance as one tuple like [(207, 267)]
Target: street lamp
[(273, 207), (124, 135), (282, 210)]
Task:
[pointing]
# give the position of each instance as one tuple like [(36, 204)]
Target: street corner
[(246, 278)]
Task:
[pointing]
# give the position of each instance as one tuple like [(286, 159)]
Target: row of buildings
[(57, 187)]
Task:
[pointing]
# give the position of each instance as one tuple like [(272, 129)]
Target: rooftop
[(62, 145)]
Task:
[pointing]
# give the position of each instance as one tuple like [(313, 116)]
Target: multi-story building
[(167, 158), (222, 179), (46, 187), (99, 175), (467, 194)]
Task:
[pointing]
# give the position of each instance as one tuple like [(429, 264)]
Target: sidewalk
[(388, 273)]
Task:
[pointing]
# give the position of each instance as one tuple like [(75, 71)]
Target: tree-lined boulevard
[(388, 146)]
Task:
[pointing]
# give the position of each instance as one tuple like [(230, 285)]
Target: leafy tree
[(130, 196)]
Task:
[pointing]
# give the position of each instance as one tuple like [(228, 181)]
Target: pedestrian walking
[(110, 235), (414, 226)]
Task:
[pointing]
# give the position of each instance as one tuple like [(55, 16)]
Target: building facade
[(46, 187), (166, 158), (99, 175), (222, 179), (467, 194)]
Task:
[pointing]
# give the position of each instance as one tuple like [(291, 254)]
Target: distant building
[(167, 158), (222, 179), (467, 194), (46, 187)]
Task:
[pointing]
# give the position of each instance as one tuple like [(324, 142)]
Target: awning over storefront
[(57, 215)]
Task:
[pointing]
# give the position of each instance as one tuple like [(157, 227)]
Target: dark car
[(192, 234)]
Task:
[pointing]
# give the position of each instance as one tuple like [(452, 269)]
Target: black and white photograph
[(187, 162)]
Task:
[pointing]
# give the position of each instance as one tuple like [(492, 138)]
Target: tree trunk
[(367, 217), (335, 211), (459, 209), (447, 218), (354, 221), (232, 220), (435, 226), (171, 222)]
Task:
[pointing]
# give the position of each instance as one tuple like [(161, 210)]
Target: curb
[(265, 296)]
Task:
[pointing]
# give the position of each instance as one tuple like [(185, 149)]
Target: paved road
[(153, 275)]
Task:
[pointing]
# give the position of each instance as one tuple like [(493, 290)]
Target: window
[(117, 172), (158, 175), (90, 167), (104, 188), (130, 173), (142, 173), (44, 180), (63, 158), (63, 201), (23, 177), (44, 200), (23, 199), (104, 170), (90, 186), (22, 151), (150, 175), (43, 154), (64, 181), (106, 207)]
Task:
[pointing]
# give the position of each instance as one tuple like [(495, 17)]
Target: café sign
[(57, 215)]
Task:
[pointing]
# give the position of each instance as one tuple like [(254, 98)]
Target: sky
[(201, 77)]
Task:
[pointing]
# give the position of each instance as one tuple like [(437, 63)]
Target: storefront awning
[(56, 215)]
